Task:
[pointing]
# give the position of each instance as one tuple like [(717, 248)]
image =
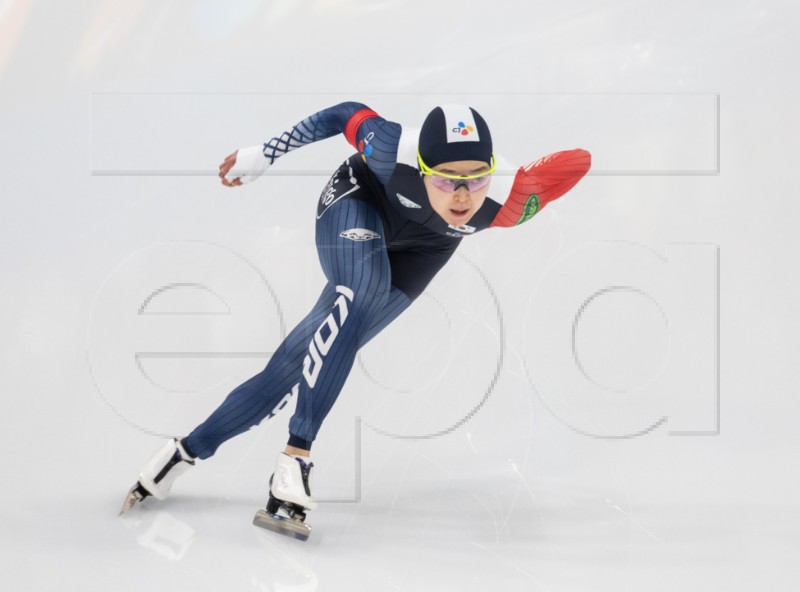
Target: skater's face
[(457, 207)]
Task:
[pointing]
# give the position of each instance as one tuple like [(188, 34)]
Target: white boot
[(160, 472), (291, 481)]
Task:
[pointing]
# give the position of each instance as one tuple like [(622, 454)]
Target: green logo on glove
[(530, 209)]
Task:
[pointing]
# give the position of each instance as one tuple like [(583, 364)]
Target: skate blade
[(134, 497), (282, 525)]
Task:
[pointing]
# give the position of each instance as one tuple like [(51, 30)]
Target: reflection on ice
[(160, 531)]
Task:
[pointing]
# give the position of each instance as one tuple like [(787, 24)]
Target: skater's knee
[(359, 303)]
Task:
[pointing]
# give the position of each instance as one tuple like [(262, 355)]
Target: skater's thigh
[(352, 247)]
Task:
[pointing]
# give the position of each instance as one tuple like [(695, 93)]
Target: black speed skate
[(289, 494)]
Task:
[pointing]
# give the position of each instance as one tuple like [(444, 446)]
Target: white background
[(601, 399)]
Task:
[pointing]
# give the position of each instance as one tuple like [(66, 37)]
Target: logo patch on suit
[(530, 208), (360, 234), (334, 191), (464, 229), (408, 203)]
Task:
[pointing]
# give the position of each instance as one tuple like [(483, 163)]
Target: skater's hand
[(225, 168), (243, 166)]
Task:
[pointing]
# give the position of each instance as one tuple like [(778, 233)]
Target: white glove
[(250, 165)]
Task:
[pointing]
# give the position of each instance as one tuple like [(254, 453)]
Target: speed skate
[(158, 475), (290, 494), (135, 495), (292, 524)]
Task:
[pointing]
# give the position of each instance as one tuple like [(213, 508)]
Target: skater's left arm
[(539, 183)]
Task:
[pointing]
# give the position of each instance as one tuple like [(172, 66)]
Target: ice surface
[(602, 399)]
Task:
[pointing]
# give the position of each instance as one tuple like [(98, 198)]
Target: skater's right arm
[(247, 164)]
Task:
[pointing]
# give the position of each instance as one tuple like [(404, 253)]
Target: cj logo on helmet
[(463, 129)]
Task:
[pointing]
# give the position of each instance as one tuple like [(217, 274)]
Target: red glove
[(541, 182)]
